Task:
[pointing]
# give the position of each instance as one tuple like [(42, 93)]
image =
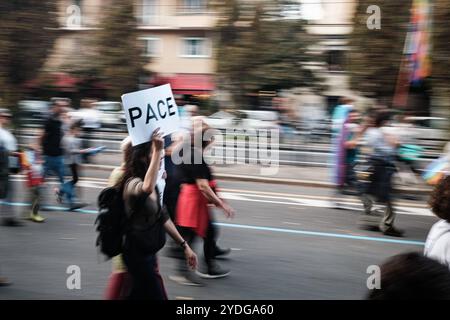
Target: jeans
[(54, 165), (68, 188)]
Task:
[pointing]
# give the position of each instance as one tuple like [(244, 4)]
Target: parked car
[(112, 114), (32, 113), (256, 119), (109, 114), (221, 120)]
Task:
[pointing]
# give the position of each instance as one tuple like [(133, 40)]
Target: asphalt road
[(287, 241)]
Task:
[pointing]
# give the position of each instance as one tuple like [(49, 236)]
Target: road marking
[(328, 198), (322, 234), (259, 228), (184, 298), (292, 223)]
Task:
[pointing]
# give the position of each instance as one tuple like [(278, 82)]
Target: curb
[(247, 178)]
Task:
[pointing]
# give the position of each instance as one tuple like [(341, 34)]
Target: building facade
[(176, 36)]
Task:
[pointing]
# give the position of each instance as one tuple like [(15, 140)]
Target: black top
[(190, 172), (52, 137)]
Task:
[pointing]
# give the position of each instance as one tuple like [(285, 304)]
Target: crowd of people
[(185, 212)]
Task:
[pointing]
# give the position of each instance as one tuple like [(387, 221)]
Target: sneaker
[(76, 206), (219, 252), (36, 218), (4, 282), (393, 232), (214, 272), (187, 280)]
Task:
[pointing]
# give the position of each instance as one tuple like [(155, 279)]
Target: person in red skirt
[(198, 190)]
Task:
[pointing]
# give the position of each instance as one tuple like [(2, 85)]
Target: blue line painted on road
[(322, 234), (244, 226)]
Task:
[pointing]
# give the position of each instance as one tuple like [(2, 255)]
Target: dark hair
[(76, 125), (412, 276), (440, 199), (381, 117), (136, 163)]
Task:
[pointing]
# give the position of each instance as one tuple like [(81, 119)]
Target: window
[(196, 47), (336, 60), (148, 12), (193, 6), (152, 46)]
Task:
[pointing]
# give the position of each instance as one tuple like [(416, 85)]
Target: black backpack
[(111, 222)]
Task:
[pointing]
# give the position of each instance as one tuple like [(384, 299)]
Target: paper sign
[(149, 109)]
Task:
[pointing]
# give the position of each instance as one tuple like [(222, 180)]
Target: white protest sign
[(149, 109)]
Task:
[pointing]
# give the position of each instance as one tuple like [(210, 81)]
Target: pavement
[(288, 242), (310, 176)]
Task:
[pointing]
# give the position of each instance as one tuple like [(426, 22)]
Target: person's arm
[(211, 196), (152, 172), (191, 257)]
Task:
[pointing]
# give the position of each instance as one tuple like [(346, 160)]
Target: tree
[(25, 43), (376, 54), (258, 49), (120, 61)]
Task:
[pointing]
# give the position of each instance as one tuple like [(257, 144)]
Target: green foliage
[(258, 50), (375, 55), (120, 60), (25, 42)]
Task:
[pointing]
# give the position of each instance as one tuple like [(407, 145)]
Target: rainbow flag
[(436, 170)]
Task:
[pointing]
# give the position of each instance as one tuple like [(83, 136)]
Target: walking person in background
[(198, 189), (340, 117), (383, 153), (146, 216), (90, 123), (437, 245), (51, 142), (73, 151), (32, 164), (9, 159)]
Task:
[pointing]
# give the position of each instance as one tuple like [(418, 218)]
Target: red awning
[(64, 80), (190, 84)]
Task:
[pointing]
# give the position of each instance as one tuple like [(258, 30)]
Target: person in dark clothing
[(384, 149), (51, 142), (143, 209), (198, 189)]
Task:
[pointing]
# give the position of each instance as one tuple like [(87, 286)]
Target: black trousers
[(147, 283), (209, 243)]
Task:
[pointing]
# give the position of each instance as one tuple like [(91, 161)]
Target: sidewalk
[(289, 175)]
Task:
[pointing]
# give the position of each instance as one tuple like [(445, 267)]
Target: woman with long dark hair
[(144, 212)]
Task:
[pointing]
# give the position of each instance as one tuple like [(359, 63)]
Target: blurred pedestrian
[(437, 245), (198, 189), (8, 163), (33, 167), (146, 217), (340, 117), (412, 276), (172, 188), (73, 153), (51, 142), (90, 123), (383, 152)]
